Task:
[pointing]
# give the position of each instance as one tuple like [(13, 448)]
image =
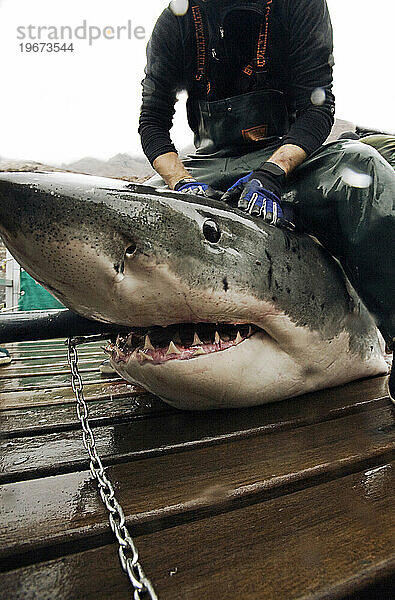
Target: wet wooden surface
[(288, 500)]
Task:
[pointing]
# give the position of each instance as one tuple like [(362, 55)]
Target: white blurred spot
[(357, 180), (318, 97), (179, 7)]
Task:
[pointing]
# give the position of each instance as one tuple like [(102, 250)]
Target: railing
[(11, 282), (6, 282)]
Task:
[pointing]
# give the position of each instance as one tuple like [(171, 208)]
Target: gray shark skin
[(224, 310)]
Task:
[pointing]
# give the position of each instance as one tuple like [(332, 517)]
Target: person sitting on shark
[(258, 75)]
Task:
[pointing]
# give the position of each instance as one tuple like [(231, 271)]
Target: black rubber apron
[(241, 124)]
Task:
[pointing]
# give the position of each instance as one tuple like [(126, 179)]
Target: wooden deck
[(288, 500)]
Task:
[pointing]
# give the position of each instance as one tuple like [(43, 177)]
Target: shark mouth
[(158, 345)]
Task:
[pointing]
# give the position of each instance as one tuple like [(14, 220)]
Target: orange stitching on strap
[(200, 41), (248, 70), (262, 39)]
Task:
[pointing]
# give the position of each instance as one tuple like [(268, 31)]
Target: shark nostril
[(119, 269), (130, 250)]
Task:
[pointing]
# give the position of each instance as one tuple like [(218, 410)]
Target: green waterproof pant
[(344, 195)]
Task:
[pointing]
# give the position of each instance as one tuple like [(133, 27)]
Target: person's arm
[(310, 48), (164, 74), (164, 77), (170, 168), (288, 157)]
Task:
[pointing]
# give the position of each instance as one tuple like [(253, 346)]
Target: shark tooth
[(238, 338), (144, 356), (129, 339), (199, 351), (196, 340), (147, 343), (217, 339), (107, 349), (172, 349), (249, 331)]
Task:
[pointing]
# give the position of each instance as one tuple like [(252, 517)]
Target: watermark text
[(85, 31)]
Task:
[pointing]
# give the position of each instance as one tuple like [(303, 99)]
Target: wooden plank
[(44, 373), (27, 345), (45, 346), (47, 419), (160, 491), (53, 416), (184, 427), (321, 542), (37, 352), (58, 342), (17, 370), (20, 365), (298, 545), (357, 394), (56, 383), (48, 351), (49, 378), (65, 395), (48, 357)]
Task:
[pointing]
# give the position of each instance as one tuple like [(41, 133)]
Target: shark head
[(223, 309)]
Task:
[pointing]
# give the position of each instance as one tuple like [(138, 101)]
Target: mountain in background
[(120, 165), (125, 166)]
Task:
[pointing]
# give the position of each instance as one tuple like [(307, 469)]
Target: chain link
[(128, 554)]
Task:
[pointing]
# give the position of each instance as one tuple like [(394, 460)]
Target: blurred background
[(59, 108)]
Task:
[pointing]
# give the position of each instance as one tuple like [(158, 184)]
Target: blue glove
[(256, 200), (191, 186), (235, 191), (259, 193)]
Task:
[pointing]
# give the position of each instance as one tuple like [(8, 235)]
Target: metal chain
[(127, 551)]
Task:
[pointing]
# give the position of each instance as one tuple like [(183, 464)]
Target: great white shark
[(223, 309)]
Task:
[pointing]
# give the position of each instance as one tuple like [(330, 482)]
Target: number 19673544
[(45, 47)]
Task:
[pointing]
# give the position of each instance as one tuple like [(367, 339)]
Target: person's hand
[(259, 193), (191, 186)]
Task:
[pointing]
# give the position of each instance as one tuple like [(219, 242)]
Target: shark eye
[(130, 250), (211, 231)]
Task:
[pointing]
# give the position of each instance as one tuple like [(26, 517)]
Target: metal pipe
[(50, 324)]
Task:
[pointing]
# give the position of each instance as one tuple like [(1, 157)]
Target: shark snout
[(124, 253)]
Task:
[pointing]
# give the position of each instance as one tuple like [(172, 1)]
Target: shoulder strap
[(263, 37), (202, 34), (201, 42)]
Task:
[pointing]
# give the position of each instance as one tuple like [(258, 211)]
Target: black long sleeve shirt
[(299, 62)]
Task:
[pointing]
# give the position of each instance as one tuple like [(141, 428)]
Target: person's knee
[(355, 148), (356, 154)]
